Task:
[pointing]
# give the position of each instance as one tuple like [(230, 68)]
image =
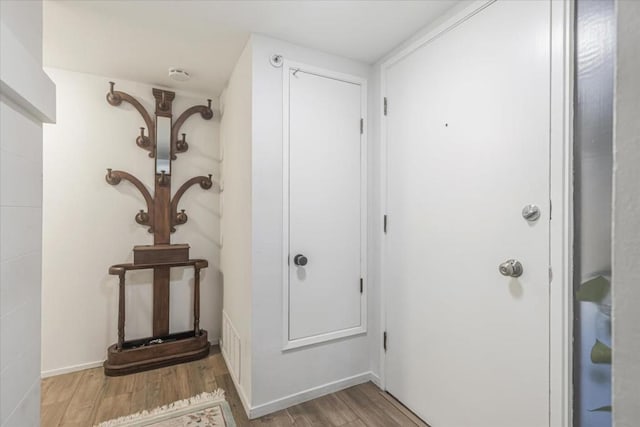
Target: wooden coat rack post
[(161, 216)]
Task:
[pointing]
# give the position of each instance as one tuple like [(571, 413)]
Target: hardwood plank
[(112, 407), (168, 394), (119, 385), (392, 407), (57, 393), (328, 411), (195, 378), (226, 383), (277, 419), (141, 386), (298, 414), (80, 410), (413, 417), (153, 388), (59, 388), (51, 414), (183, 386), (218, 365), (209, 374), (366, 410)]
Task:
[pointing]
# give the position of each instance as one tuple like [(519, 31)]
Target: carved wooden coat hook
[(163, 144)]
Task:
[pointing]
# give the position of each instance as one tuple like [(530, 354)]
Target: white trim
[(69, 369), (436, 32), (288, 344), (376, 380), (561, 224), (22, 80), (309, 394), (561, 297), (330, 336)]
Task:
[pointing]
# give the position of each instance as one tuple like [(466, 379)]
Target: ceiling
[(139, 40)]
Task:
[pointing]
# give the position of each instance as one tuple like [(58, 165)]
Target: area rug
[(203, 410)]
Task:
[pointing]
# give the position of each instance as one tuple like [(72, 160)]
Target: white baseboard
[(83, 366), (69, 369), (309, 394), (375, 378)]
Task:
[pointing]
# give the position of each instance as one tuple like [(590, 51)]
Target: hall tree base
[(127, 357), (163, 348), (144, 354)]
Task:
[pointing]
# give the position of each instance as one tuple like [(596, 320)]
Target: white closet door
[(324, 207)]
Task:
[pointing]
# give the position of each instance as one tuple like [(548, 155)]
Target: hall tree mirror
[(163, 145)]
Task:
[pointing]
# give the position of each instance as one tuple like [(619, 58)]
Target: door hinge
[(361, 126), (550, 275), (384, 340), (384, 224), (550, 209), (361, 285), (385, 105)]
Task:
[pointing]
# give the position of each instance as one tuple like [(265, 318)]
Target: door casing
[(561, 190), (288, 344)]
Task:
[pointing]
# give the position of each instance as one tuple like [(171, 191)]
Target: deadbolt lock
[(531, 213)]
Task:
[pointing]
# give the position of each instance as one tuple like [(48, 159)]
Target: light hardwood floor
[(83, 398)]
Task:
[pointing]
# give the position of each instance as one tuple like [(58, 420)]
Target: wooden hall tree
[(162, 348)]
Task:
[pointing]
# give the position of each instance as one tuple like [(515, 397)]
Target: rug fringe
[(180, 404)]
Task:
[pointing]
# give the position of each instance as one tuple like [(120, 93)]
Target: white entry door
[(467, 149), (324, 204)]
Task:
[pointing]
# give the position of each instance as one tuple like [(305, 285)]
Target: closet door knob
[(300, 260)]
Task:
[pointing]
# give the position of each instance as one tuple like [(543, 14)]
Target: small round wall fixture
[(178, 74), (276, 60)]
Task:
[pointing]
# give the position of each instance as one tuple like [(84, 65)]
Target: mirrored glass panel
[(163, 145)]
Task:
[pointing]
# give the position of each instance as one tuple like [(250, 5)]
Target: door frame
[(287, 66), (560, 191)]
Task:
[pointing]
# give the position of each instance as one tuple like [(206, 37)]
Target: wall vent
[(230, 346)]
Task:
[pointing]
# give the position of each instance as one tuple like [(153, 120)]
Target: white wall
[(278, 374), (21, 112), (21, 216), (235, 136), (89, 225), (626, 219)]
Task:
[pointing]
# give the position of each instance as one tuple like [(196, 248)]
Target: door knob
[(300, 260), (511, 268), (531, 213)]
